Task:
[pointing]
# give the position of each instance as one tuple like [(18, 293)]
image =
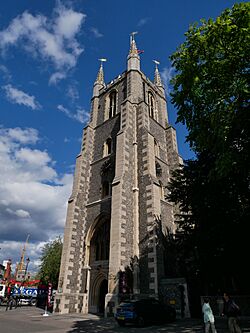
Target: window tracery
[(101, 240)]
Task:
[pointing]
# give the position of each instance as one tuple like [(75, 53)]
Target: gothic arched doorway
[(98, 262), (102, 293)]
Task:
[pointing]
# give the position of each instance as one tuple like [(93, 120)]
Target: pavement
[(34, 320)]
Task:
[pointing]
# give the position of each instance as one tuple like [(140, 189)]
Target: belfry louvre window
[(151, 104), (112, 104)]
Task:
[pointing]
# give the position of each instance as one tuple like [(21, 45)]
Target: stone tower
[(118, 199)]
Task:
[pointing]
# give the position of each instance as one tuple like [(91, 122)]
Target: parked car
[(143, 312)]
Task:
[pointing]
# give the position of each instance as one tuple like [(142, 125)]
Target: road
[(32, 320)]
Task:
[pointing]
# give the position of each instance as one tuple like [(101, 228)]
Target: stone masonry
[(118, 198)]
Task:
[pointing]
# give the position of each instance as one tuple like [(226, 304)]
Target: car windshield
[(126, 305)]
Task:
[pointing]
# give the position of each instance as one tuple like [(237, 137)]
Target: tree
[(50, 262), (211, 94), (211, 88)]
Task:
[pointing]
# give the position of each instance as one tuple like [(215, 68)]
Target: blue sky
[(49, 54)]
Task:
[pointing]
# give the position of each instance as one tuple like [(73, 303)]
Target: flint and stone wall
[(136, 205)]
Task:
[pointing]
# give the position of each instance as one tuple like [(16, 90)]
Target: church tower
[(117, 207)]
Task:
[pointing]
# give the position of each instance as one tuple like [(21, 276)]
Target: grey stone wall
[(132, 173), (144, 196), (107, 129)]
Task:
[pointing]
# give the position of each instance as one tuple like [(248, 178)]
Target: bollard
[(45, 312)]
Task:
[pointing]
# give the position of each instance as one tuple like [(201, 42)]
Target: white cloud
[(143, 21), (17, 96), (68, 22), (96, 32), (64, 110), (80, 115), (19, 212), (33, 197), (56, 77), (33, 156), (52, 39), (66, 140), (6, 72), (14, 248), (23, 136), (72, 92), (167, 74)]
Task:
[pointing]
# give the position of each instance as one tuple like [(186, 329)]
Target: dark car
[(143, 312)]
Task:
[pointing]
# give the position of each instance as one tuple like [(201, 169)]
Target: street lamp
[(26, 268)]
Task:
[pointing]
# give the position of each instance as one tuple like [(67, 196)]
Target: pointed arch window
[(107, 147), (101, 241), (151, 104), (112, 104)]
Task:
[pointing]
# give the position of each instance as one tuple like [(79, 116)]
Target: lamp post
[(26, 268)]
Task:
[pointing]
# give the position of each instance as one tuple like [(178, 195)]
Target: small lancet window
[(107, 147), (151, 104), (156, 148), (112, 104)]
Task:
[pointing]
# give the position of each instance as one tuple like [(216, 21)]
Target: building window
[(158, 170), (107, 147), (156, 114), (156, 148), (105, 189), (106, 167), (112, 104), (101, 241), (162, 191), (151, 104)]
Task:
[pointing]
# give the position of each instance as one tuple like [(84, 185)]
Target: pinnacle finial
[(133, 58), (133, 35), (133, 49), (157, 78), (100, 75), (156, 62)]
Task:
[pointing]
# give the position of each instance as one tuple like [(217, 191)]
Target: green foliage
[(50, 262), (211, 87), (211, 94)]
